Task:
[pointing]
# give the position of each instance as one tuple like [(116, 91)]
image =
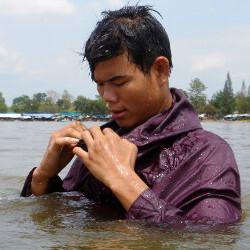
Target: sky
[(40, 42)]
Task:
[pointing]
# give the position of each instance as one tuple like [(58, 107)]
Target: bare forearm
[(128, 188)]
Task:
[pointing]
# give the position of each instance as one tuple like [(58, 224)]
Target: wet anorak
[(191, 173)]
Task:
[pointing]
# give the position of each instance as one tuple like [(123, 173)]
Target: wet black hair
[(131, 29)]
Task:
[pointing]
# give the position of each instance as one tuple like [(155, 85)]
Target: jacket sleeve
[(69, 183), (78, 178), (56, 185), (151, 208), (204, 187)]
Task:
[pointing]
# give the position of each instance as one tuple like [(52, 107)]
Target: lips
[(118, 114)]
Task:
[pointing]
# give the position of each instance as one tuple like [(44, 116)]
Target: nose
[(108, 93)]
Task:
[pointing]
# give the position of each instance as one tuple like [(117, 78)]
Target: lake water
[(67, 221)]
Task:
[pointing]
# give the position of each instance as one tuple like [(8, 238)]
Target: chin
[(126, 124)]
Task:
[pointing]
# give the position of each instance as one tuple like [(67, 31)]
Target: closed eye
[(120, 83), (117, 84)]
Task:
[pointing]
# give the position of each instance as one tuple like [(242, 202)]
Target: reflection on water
[(70, 221)]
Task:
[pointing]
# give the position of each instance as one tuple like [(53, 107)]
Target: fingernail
[(74, 140)]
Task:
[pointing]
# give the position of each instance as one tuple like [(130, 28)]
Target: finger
[(73, 129), (80, 153), (126, 141), (78, 126), (87, 138), (62, 141), (95, 131), (108, 131), (82, 127), (131, 145)]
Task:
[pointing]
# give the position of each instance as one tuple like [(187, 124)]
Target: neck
[(168, 99)]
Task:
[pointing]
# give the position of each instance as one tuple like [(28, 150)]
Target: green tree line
[(52, 102), (222, 102)]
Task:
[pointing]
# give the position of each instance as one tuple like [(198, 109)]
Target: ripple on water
[(69, 221)]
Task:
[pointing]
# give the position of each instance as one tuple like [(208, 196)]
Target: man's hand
[(57, 156), (111, 160)]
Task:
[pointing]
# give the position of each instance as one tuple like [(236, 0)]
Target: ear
[(162, 70)]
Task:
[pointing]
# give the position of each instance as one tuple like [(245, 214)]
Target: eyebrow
[(113, 78)]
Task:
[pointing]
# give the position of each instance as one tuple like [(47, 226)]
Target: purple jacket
[(191, 173)]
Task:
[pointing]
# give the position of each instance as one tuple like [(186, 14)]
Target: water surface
[(69, 221)]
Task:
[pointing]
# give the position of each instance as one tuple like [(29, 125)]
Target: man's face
[(131, 96)]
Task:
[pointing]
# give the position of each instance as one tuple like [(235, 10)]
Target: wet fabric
[(191, 173)]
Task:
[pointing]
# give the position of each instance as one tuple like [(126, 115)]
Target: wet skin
[(132, 97)]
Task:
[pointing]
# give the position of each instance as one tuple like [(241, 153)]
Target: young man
[(153, 158)]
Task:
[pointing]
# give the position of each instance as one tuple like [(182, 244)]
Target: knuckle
[(134, 147), (74, 124), (85, 133), (98, 144), (54, 135), (128, 142), (93, 127), (70, 130), (107, 130)]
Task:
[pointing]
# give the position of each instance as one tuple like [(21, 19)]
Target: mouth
[(118, 114)]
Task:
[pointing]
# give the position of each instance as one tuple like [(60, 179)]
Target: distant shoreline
[(106, 120), (64, 121), (224, 120)]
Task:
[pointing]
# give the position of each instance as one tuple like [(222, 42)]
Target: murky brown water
[(67, 221)]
